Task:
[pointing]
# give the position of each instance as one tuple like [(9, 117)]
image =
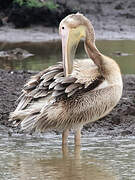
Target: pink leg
[(78, 137), (65, 136)]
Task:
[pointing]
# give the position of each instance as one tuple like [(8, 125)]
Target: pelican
[(72, 93)]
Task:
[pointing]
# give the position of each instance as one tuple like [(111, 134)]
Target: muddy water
[(26, 157), (46, 54)]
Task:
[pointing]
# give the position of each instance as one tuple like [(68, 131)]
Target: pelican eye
[(63, 27)]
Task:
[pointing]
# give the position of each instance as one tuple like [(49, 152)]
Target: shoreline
[(45, 34)]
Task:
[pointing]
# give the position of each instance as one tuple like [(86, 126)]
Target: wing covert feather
[(85, 76)]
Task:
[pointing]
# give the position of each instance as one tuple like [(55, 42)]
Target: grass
[(20, 2), (35, 3)]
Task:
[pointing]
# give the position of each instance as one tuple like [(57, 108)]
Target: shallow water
[(49, 53), (28, 157)]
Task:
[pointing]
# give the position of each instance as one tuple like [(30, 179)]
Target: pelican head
[(72, 29)]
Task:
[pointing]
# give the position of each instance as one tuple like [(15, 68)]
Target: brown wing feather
[(85, 75), (38, 86), (51, 84)]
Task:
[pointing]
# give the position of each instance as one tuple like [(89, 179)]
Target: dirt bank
[(44, 34), (121, 121)]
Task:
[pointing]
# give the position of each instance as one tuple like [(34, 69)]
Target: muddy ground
[(121, 121)]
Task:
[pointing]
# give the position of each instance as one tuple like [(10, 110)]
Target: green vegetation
[(51, 5), (35, 3), (20, 2)]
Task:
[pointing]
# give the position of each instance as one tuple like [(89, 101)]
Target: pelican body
[(72, 93)]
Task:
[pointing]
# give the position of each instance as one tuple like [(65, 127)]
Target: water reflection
[(28, 157), (49, 53), (62, 168)]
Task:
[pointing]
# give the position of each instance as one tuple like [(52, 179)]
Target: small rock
[(1, 23), (126, 132), (119, 6), (15, 54), (121, 29)]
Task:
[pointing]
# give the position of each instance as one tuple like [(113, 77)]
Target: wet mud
[(121, 121)]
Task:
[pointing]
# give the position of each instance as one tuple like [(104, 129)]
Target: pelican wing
[(50, 86), (52, 81), (38, 86), (86, 72)]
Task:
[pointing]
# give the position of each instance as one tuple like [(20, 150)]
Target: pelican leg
[(77, 152), (77, 137), (65, 136), (65, 151)]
